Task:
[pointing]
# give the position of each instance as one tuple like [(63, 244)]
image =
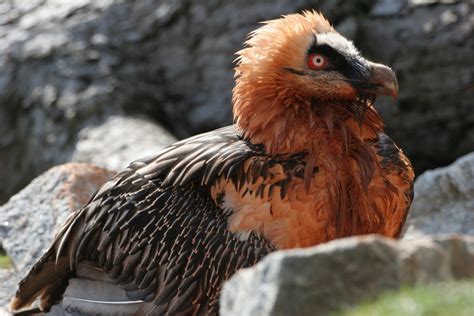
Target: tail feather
[(46, 281), (91, 292)]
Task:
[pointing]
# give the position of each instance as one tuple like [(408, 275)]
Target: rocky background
[(104, 82), (66, 66)]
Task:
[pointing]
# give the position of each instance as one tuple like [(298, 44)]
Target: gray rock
[(65, 65), (444, 201), (342, 273), (348, 28), (388, 7), (430, 45), (118, 141), (9, 281), (30, 218)]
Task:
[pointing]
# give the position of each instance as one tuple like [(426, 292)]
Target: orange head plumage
[(292, 65)]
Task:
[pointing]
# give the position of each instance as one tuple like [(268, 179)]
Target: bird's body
[(306, 162)]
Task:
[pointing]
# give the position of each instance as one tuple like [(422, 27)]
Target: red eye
[(317, 61)]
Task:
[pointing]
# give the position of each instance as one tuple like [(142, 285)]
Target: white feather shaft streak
[(103, 302), (90, 297)]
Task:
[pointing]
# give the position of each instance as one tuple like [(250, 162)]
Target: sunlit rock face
[(65, 65)]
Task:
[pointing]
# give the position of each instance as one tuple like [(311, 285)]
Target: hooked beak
[(383, 80)]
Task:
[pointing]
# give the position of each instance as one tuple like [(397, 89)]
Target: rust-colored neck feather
[(286, 123)]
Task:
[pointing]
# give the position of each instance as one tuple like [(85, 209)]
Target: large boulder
[(444, 201), (337, 275), (119, 140), (30, 219), (65, 65)]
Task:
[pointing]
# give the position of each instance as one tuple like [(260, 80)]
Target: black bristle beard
[(360, 106)]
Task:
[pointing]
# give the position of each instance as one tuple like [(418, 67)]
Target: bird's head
[(296, 63)]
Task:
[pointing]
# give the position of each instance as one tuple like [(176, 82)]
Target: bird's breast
[(277, 207), (311, 202)]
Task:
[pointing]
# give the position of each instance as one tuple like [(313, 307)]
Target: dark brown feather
[(155, 230)]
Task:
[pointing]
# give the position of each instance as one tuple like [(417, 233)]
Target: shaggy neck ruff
[(290, 124), (337, 137), (289, 112)]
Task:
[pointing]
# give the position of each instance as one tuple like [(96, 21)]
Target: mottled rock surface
[(30, 218), (9, 279), (118, 141), (65, 65), (444, 201), (430, 45), (342, 273)]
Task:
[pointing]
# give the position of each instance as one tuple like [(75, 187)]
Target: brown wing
[(156, 232)]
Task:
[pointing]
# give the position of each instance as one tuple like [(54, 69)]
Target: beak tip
[(387, 80), (394, 94), (395, 87)]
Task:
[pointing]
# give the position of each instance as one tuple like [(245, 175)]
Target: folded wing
[(152, 232)]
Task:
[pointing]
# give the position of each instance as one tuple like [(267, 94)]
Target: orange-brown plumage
[(306, 162), (351, 194)]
